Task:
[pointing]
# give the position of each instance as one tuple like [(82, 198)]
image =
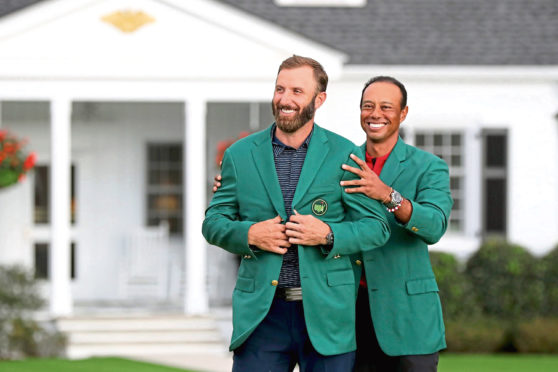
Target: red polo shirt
[(376, 164)]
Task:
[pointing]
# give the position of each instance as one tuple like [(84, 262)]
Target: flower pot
[(8, 177)]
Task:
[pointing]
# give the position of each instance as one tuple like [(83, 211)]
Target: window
[(42, 195), (164, 186), (448, 145), (42, 258), (494, 173)]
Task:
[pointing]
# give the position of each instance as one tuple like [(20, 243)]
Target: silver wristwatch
[(395, 200)]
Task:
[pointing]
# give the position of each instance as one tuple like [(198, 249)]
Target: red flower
[(2, 134), (29, 162)]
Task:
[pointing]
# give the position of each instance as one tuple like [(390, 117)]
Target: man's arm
[(364, 227), (427, 215), (223, 228)]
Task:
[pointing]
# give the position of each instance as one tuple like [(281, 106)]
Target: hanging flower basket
[(14, 162)]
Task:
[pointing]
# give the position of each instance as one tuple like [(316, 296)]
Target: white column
[(196, 298), (59, 269)]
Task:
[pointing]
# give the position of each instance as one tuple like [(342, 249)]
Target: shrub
[(539, 335), (456, 292), (476, 335), (20, 335), (550, 280), (506, 280)]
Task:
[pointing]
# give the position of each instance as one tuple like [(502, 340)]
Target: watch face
[(396, 198)]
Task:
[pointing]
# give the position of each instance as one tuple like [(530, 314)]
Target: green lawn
[(85, 365), (448, 363), (497, 363)]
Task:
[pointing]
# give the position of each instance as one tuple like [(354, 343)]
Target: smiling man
[(399, 316), (281, 209)]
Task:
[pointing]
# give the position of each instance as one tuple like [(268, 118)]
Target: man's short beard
[(294, 124)]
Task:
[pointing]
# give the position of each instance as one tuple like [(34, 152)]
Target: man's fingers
[(352, 190), (351, 182), (293, 233), (362, 164), (278, 250), (277, 219), (292, 226), (295, 241), (354, 170)]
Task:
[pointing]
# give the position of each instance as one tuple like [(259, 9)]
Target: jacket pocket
[(245, 284), (418, 286), (335, 278)]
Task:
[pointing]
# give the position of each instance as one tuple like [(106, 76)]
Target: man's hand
[(216, 182), (269, 235), (369, 183), (306, 230)]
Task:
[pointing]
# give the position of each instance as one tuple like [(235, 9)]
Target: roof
[(427, 32), (411, 32), (10, 6)]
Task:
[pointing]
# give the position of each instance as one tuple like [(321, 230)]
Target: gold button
[(358, 262), (337, 256), (414, 229), (247, 256), (274, 283)]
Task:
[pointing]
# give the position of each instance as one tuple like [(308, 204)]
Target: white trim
[(194, 175), (434, 73), (60, 296)]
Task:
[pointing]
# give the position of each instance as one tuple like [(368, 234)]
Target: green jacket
[(251, 193), (404, 302)]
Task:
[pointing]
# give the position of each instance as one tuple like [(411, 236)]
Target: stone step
[(131, 350), (142, 337), (134, 323)]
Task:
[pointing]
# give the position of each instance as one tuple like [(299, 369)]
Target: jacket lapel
[(395, 163), (262, 154), (318, 149)]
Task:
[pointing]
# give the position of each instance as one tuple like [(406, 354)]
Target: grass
[(448, 363), (497, 363), (84, 365)]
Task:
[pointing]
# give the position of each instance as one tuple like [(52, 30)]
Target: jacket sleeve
[(432, 204), (221, 226), (365, 226)]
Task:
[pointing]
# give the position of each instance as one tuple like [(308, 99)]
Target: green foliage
[(455, 291), (506, 279), (20, 335), (476, 335), (539, 335), (550, 280)]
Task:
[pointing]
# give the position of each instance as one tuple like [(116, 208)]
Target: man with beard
[(281, 210)]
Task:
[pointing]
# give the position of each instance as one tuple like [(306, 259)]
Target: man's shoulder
[(247, 142)]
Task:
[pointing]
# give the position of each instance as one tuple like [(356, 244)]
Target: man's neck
[(297, 138), (378, 149)]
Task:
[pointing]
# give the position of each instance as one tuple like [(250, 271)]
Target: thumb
[(277, 219)]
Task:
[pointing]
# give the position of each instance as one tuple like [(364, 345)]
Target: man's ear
[(403, 114), (320, 99)]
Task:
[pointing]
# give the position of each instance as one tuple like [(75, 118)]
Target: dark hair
[(387, 79), (319, 73)]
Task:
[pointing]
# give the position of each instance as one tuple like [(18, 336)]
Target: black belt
[(289, 294)]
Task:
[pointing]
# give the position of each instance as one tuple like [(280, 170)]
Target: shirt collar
[(277, 142)]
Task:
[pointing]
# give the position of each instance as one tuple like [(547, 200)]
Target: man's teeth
[(287, 111), (373, 125)]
